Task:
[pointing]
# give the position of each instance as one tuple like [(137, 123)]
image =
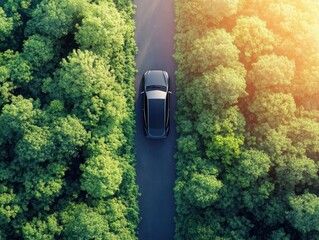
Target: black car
[(156, 109)]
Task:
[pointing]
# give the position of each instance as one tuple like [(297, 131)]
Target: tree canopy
[(67, 120), (248, 119)]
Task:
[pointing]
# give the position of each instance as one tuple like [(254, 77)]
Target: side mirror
[(142, 92), (170, 92)]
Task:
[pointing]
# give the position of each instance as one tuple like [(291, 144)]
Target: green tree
[(42, 228), (228, 121), (114, 210), (253, 166), (215, 48), (101, 30), (88, 89), (294, 174), (101, 176), (253, 38), (9, 204), (302, 133), (6, 85), (20, 70), (38, 51), (273, 108), (55, 19), (69, 136), (14, 119), (305, 85), (203, 189), (82, 222), (272, 71), (6, 25), (304, 212), (213, 86), (218, 10)]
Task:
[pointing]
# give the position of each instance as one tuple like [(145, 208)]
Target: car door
[(145, 109), (167, 108)]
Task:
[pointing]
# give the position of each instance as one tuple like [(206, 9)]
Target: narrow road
[(155, 29)]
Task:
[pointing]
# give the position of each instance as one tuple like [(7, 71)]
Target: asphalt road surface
[(155, 29)]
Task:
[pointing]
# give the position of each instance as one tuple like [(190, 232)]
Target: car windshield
[(156, 113), (155, 87)]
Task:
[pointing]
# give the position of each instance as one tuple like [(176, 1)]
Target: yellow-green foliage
[(248, 118)]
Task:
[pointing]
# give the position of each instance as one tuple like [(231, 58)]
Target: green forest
[(67, 120), (248, 118)]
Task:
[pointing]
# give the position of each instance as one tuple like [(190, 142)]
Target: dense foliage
[(248, 118), (67, 120)]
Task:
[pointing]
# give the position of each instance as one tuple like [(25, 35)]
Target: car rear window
[(156, 113)]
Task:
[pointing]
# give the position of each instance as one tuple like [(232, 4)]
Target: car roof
[(155, 77), (156, 94), (156, 117)]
